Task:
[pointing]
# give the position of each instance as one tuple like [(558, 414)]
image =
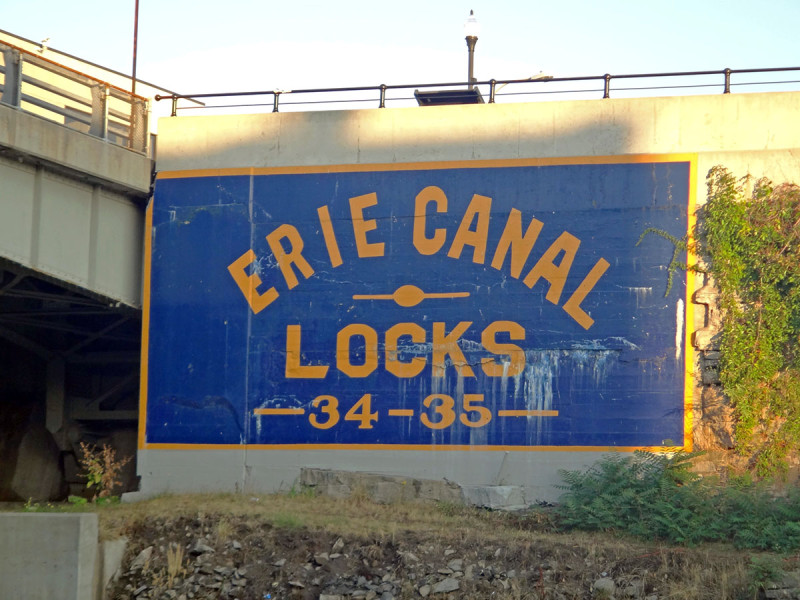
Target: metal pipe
[(727, 81), (492, 86), (383, 96), (607, 86), (471, 41), (135, 45), (275, 97)]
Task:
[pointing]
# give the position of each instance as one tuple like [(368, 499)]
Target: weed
[(449, 509), (102, 468), (223, 529), (31, 506), (287, 521), (763, 570), (359, 495), (302, 491), (174, 562)]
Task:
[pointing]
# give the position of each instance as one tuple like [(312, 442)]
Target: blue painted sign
[(470, 305)]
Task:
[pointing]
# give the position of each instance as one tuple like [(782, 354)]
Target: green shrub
[(654, 496), (749, 234)]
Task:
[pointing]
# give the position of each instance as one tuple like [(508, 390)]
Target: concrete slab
[(111, 554), (49, 556), (495, 497), (384, 489)]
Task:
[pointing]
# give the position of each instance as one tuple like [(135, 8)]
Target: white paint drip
[(595, 362), (536, 386), (679, 319), (641, 294), (470, 345), (415, 349), (614, 342), (541, 370)]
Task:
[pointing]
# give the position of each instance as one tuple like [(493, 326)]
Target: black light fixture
[(440, 97), (471, 95)]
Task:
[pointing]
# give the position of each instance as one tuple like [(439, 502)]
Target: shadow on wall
[(420, 134)]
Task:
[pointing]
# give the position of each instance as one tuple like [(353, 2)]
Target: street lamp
[(471, 31)]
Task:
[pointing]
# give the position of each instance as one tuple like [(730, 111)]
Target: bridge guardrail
[(55, 92), (571, 87)]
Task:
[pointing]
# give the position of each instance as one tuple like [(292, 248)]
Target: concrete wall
[(756, 133), (35, 138), (51, 556), (744, 131)]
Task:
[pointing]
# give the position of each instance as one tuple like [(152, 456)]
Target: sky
[(238, 45)]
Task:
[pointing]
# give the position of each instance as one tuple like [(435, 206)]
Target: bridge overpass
[(75, 173)]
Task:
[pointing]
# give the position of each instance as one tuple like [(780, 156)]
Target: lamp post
[(135, 45), (471, 31)]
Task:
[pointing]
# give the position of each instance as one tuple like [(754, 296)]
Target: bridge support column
[(54, 399)]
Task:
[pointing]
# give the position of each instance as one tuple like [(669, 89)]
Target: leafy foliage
[(101, 468), (751, 240), (763, 570), (655, 496), (679, 245)]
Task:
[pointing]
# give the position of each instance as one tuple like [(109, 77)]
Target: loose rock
[(141, 559), (604, 587), (446, 585)]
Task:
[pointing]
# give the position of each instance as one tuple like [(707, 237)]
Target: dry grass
[(360, 517), (175, 564)]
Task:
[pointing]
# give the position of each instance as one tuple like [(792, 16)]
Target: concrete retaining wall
[(55, 557), (747, 133), (49, 556)]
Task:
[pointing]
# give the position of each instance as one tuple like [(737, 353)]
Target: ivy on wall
[(749, 234)]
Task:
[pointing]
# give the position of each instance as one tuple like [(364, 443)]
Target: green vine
[(749, 233), (680, 245)]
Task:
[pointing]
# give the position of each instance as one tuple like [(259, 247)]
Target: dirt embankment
[(281, 547)]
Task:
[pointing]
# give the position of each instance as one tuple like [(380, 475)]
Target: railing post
[(275, 95), (13, 81), (492, 86), (607, 86), (146, 127), (99, 125), (383, 96), (106, 94), (174, 112), (138, 129), (727, 81)]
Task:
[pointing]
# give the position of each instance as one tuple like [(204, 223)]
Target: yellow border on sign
[(431, 166), (419, 447), (691, 261), (689, 377), (143, 377)]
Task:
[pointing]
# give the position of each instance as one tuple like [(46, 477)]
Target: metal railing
[(55, 92), (380, 94)]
